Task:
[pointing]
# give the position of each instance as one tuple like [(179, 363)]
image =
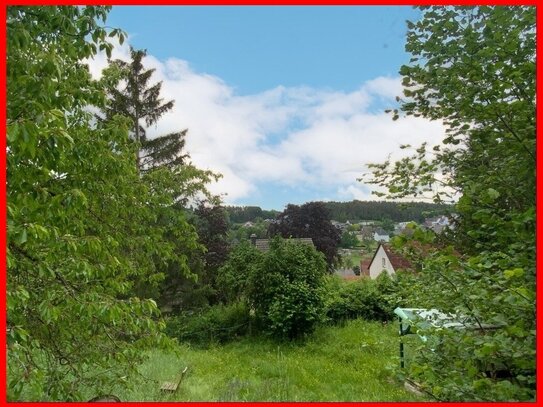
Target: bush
[(363, 298), (287, 289), (217, 324), (234, 276)]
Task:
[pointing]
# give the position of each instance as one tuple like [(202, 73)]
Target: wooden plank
[(172, 386), (169, 386)]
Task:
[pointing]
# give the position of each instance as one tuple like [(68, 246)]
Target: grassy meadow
[(342, 363)]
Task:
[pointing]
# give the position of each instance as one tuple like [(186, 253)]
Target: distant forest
[(242, 214), (353, 211)]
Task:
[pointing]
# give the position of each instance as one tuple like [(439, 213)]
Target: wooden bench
[(172, 386)]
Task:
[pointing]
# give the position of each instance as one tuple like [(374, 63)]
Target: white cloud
[(355, 191), (386, 87), (290, 136)]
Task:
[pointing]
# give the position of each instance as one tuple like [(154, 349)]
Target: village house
[(341, 226), (379, 235), (437, 224), (385, 259), (400, 227), (264, 244)]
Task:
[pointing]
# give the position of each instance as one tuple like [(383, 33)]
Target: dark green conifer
[(134, 96)]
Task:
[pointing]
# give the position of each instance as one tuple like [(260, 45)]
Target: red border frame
[(278, 3), (539, 164)]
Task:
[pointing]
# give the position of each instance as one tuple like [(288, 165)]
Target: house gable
[(385, 259), (380, 263)]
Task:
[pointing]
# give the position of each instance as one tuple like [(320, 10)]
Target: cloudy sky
[(286, 102)]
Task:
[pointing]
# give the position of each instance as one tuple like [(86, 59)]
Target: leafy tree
[(387, 225), (78, 216), (234, 275), (309, 220), (135, 97), (354, 227), (346, 262), (240, 233), (183, 293), (212, 228), (164, 167), (474, 69), (377, 210), (287, 289), (348, 239)]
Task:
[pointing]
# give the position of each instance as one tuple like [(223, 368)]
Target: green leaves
[(514, 273), (81, 222), (22, 237), (286, 289), (473, 69)]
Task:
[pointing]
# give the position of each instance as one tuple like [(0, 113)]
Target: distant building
[(264, 244), (437, 224), (379, 235), (339, 225), (366, 232), (386, 260), (401, 228), (398, 227)]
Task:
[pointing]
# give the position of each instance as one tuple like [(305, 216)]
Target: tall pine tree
[(135, 97)]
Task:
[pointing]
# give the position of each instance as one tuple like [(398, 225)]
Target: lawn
[(356, 257), (348, 363)]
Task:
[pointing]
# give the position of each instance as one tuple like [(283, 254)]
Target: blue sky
[(286, 102), (257, 48)]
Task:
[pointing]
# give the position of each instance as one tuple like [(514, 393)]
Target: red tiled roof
[(396, 259), (365, 264)]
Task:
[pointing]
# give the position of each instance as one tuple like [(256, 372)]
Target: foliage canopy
[(312, 220), (83, 226), (474, 69)]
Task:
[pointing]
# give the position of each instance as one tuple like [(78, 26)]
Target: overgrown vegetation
[(284, 286), (373, 300), (353, 362), (88, 235), (218, 324), (339, 301), (474, 68), (99, 231)]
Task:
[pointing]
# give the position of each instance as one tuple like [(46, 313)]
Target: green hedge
[(362, 298)]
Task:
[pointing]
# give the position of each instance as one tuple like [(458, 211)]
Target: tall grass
[(347, 363)]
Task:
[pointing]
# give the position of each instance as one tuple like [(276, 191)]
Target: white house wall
[(381, 238), (376, 266)]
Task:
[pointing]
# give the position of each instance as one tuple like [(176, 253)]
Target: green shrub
[(363, 298), (217, 324), (287, 289), (234, 275)]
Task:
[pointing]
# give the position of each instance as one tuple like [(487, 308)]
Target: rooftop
[(264, 244)]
